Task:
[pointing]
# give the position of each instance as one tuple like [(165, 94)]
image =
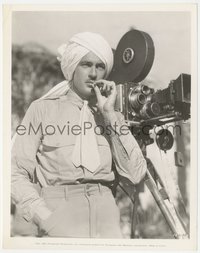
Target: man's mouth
[(90, 83)]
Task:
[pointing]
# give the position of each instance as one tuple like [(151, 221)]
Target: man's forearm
[(127, 154)]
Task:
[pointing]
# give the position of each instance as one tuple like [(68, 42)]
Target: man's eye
[(86, 64), (101, 67)]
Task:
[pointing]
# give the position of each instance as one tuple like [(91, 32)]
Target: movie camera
[(140, 104)]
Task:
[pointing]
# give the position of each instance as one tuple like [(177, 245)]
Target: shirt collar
[(74, 98)]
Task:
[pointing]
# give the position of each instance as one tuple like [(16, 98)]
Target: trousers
[(83, 211)]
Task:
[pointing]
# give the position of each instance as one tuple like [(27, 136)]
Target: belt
[(66, 191)]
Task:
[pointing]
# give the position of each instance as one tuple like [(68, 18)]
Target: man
[(69, 138)]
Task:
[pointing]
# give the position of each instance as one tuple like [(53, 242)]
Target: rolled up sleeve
[(127, 155)]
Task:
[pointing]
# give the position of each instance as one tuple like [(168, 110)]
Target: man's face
[(89, 69)]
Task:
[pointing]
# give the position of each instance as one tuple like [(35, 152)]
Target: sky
[(170, 32)]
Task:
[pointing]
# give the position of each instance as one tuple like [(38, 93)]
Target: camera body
[(135, 102), (140, 104)]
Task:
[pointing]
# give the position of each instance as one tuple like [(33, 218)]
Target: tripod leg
[(178, 231), (134, 219)]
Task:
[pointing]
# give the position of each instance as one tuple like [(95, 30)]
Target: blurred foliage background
[(35, 70)]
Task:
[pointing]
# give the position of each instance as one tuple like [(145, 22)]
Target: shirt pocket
[(57, 150)]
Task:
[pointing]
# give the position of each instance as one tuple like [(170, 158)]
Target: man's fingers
[(97, 92), (105, 88), (106, 85)]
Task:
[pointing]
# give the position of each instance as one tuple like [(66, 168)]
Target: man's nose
[(93, 73)]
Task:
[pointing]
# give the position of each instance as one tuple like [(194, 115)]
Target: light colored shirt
[(44, 146)]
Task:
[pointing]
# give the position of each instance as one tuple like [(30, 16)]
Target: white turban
[(79, 45), (70, 55)]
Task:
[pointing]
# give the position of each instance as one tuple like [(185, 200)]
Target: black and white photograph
[(102, 136)]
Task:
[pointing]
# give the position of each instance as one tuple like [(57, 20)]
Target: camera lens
[(150, 110), (142, 89), (155, 109), (145, 90), (136, 100)]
